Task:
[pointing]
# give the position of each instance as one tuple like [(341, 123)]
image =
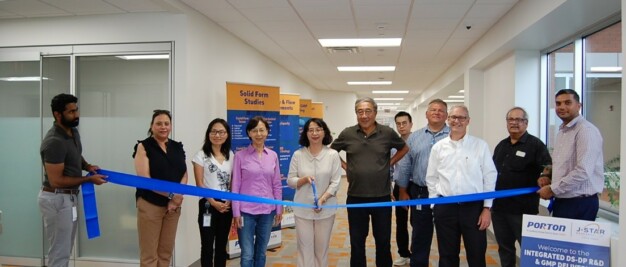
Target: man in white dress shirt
[(461, 164)]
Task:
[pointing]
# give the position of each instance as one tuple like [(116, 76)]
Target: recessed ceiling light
[(388, 98), (456, 96), (389, 92), (461, 91), (22, 79), (366, 68), (454, 100), (136, 57), (370, 83), (606, 69), (365, 42)]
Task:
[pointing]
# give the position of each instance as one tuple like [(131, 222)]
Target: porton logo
[(591, 229), (546, 228)]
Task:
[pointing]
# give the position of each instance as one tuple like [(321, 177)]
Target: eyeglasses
[(366, 112), (402, 123), (315, 130), (258, 131), (457, 118), (516, 120), (218, 133)]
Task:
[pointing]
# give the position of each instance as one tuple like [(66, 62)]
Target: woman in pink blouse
[(256, 173)]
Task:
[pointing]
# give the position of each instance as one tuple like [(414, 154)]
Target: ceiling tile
[(84, 7), (258, 3), (31, 8), (137, 5), (269, 13), (442, 10)]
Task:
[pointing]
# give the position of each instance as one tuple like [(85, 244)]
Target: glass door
[(117, 94), (22, 71), (118, 87), (20, 166)]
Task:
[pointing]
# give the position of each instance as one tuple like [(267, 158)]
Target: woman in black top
[(159, 157)]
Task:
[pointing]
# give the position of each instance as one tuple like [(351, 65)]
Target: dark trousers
[(359, 222), (402, 226), (216, 234), (508, 229), (581, 208), (422, 223), (453, 221)]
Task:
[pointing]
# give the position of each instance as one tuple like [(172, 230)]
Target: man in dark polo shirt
[(61, 154), (520, 160), (368, 151)]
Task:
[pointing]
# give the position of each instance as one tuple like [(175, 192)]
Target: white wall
[(499, 96), (338, 110)]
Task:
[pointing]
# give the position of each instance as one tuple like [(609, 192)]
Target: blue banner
[(289, 137)]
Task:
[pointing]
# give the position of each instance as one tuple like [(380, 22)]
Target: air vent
[(343, 50)]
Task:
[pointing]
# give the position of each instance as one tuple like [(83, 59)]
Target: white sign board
[(558, 242)]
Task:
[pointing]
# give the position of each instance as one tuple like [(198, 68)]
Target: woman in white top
[(212, 167), (314, 165)]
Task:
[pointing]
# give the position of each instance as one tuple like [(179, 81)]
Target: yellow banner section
[(305, 108), (252, 97), (317, 110), (289, 104)]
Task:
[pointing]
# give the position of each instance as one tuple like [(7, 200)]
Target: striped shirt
[(577, 168)]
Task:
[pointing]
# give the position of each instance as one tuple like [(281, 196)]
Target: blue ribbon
[(91, 210), (314, 195), (91, 213)]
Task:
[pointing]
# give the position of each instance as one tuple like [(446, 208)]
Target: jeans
[(254, 237)]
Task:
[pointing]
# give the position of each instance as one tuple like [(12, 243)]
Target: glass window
[(602, 94), (560, 76)]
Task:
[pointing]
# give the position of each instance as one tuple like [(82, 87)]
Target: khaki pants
[(313, 239), (157, 233)]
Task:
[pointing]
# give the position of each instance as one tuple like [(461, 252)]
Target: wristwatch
[(170, 196)]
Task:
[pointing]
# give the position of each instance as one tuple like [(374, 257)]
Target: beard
[(68, 123)]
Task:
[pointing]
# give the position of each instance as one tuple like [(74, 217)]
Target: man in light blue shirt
[(412, 174)]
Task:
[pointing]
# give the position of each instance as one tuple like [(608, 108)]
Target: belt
[(68, 191), (581, 196)]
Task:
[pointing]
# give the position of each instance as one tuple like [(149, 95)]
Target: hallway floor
[(285, 256)]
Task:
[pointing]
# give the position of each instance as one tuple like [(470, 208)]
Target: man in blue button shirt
[(412, 178)]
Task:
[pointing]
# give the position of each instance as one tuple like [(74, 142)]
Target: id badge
[(206, 220), (74, 213), (418, 207)]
